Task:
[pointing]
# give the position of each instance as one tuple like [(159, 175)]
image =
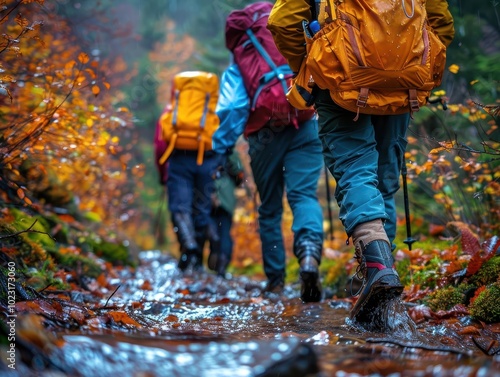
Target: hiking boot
[(213, 258), (381, 282), (221, 266), (309, 255), (215, 246), (184, 228), (190, 259), (275, 286), (310, 284)]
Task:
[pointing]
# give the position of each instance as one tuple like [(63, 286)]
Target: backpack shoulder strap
[(175, 110), (278, 72), (205, 111)]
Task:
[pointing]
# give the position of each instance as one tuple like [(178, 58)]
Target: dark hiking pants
[(190, 186)]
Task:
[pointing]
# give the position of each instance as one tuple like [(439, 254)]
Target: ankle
[(309, 263), (308, 249), (368, 232)]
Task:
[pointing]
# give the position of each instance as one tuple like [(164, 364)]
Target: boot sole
[(310, 288), (379, 295)]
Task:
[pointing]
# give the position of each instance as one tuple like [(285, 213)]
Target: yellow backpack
[(190, 120), (375, 57)]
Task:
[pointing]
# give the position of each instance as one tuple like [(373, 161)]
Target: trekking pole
[(404, 172), (409, 239), (328, 198)]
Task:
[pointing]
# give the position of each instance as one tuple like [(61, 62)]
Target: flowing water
[(202, 325)]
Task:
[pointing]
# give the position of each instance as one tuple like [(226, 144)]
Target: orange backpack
[(190, 120), (375, 57)]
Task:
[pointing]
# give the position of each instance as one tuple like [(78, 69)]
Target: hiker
[(228, 176), (183, 141), (363, 151), (283, 143)]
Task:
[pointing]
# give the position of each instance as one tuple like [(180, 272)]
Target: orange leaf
[(147, 286), (171, 318), (91, 73), (477, 293), (469, 330), (436, 230), (70, 64), (96, 90), (124, 318), (83, 58), (23, 22), (20, 193)]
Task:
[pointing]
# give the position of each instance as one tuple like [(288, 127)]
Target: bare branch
[(29, 230)]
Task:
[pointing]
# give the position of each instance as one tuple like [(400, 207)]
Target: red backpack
[(265, 72)]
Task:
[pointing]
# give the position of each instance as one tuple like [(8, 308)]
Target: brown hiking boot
[(310, 284), (381, 282)]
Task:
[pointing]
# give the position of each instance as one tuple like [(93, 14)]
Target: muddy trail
[(155, 321)]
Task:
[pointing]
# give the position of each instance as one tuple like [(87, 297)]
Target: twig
[(29, 230), (43, 289), (112, 294)]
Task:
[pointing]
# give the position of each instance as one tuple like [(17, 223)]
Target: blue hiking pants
[(190, 186), (286, 158), (365, 158)]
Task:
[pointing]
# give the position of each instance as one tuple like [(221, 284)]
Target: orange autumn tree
[(61, 132), (173, 55)]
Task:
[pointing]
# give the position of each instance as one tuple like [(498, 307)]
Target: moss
[(84, 265), (110, 251), (428, 276), (447, 297), (486, 307), (404, 272), (39, 280), (38, 224), (488, 273), (423, 242)]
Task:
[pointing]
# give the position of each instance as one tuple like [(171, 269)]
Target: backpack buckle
[(413, 100), (414, 105), (362, 97)]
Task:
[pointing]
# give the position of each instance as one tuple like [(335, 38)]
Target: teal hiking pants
[(286, 158), (365, 158)]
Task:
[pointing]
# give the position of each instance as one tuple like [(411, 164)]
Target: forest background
[(82, 85)]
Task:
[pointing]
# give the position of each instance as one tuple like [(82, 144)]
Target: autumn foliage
[(63, 140)]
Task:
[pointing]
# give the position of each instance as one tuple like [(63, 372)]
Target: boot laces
[(361, 269), (361, 272)]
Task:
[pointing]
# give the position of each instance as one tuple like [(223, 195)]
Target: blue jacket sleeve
[(233, 109)]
